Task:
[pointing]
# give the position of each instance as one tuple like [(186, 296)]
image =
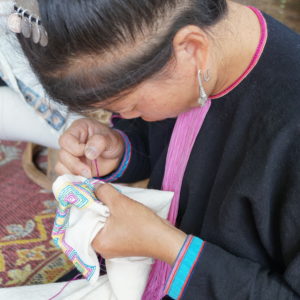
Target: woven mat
[(27, 253)]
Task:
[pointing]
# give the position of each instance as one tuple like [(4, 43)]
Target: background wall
[(286, 11)]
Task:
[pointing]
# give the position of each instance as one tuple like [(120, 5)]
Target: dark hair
[(82, 31)]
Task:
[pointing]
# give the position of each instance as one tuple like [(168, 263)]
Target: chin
[(158, 119), (151, 119), (147, 119)]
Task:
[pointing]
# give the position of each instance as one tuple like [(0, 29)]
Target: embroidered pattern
[(41, 105), (82, 196)]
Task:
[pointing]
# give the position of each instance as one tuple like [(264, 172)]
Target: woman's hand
[(132, 229), (86, 141)]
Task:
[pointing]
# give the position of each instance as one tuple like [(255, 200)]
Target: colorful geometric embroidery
[(82, 196), (41, 105)]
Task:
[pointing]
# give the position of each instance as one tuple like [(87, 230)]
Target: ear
[(192, 44)]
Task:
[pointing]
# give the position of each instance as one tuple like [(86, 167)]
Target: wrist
[(171, 241), (122, 161), (183, 267), (120, 137)]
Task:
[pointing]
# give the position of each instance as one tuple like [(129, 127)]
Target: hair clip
[(23, 21), (35, 30), (25, 25), (44, 36), (14, 21)]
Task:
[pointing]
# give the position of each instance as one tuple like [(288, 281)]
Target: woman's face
[(159, 98), (174, 91)]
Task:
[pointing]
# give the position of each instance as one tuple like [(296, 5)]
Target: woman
[(230, 75)]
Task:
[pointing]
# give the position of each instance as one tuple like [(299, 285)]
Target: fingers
[(60, 169), (107, 194), (87, 141), (75, 138), (71, 164), (71, 143), (95, 146), (107, 146)]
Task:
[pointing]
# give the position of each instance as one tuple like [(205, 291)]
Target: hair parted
[(99, 49)]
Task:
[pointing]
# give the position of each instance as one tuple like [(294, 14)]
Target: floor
[(286, 11)]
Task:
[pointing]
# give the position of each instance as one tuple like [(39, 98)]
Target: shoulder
[(281, 56), (280, 35), (272, 90)]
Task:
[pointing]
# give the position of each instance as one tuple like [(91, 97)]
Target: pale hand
[(86, 142), (132, 229)]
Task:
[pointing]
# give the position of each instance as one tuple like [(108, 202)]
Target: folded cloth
[(80, 216)]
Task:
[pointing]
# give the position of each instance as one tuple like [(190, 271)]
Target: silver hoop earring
[(202, 94), (206, 76)]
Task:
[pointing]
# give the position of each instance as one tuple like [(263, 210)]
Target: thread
[(101, 263), (182, 141), (62, 289), (96, 167)]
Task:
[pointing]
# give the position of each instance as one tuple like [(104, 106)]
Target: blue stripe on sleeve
[(185, 268)]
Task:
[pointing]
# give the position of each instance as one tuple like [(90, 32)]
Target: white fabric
[(20, 123), (46, 291), (75, 290), (127, 277)]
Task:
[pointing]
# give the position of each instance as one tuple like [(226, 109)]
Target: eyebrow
[(115, 99), (108, 109), (111, 101), (104, 105)]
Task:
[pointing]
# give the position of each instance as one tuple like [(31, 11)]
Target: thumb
[(95, 146), (107, 194)]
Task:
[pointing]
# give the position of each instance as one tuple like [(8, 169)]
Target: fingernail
[(106, 213), (90, 153), (86, 174)]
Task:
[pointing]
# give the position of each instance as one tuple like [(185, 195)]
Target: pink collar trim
[(255, 58)]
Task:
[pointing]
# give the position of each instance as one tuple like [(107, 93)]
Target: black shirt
[(241, 189)]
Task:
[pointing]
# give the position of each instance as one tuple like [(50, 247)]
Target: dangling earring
[(206, 76), (202, 94)]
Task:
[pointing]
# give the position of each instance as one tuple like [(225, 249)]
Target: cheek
[(164, 106), (149, 99), (168, 98)]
